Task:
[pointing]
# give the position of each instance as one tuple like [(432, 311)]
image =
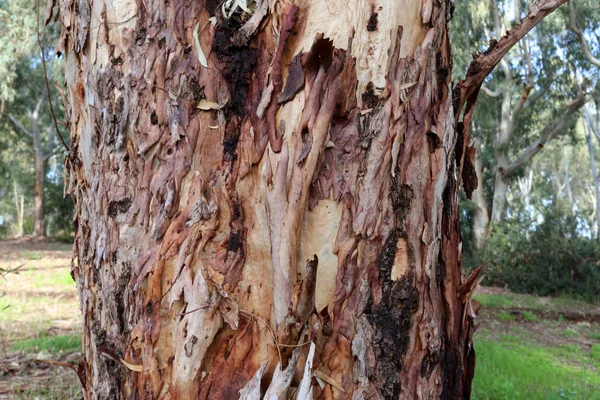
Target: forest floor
[(39, 320), (527, 347)]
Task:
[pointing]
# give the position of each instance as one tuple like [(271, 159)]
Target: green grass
[(52, 344), (595, 336), (529, 316), (494, 301), (570, 333), (27, 316), (505, 316), (596, 352), (512, 371)]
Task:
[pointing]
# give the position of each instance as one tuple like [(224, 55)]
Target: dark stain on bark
[(460, 139), (366, 132), (469, 175), (451, 370), (402, 196), (369, 98), (212, 6), (236, 211), (391, 320), (235, 242), (447, 204), (321, 53), (230, 141), (197, 90), (372, 24), (237, 62), (456, 98), (121, 295), (433, 141), (443, 71), (118, 207)]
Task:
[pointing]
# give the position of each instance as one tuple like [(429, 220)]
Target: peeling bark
[(305, 225)]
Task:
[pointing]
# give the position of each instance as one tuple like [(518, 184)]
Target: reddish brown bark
[(312, 198)]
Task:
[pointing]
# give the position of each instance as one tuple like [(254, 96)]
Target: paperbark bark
[(251, 184)]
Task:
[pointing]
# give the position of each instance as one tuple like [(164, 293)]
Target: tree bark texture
[(266, 205)]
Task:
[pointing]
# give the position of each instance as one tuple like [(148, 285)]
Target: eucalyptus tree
[(532, 99), (267, 197), (24, 86)]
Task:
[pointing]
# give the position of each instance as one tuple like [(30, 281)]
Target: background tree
[(532, 99), (27, 127)]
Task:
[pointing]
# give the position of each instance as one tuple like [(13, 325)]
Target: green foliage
[(551, 260), (18, 21), (24, 87), (596, 351)]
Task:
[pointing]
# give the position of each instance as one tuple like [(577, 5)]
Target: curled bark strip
[(289, 20), (79, 369), (252, 389), (305, 390), (295, 80), (282, 379), (471, 283)]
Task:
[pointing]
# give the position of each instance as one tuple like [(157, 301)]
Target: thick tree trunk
[(246, 185)]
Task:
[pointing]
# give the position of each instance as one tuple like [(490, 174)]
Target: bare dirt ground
[(39, 319)]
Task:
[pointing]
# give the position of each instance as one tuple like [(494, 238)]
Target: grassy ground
[(39, 320), (528, 347), (521, 355)]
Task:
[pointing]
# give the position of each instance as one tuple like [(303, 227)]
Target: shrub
[(545, 261)]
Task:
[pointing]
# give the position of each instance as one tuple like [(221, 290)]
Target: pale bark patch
[(318, 237), (401, 263)]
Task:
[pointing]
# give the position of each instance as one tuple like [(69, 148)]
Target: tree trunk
[(590, 129), (39, 165), (20, 208), (39, 169), (245, 187), (38, 187), (481, 217), (505, 132)]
